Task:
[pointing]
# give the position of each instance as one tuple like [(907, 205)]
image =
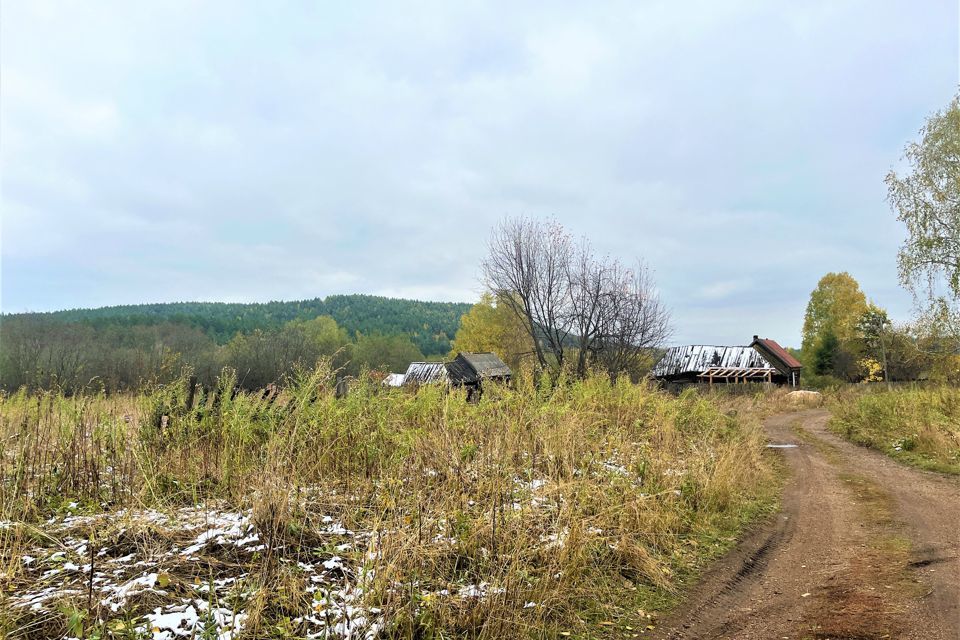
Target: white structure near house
[(394, 380)]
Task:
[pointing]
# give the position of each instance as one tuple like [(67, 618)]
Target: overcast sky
[(251, 151)]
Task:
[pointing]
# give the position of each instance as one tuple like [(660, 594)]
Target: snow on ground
[(191, 571), (185, 620), (160, 566)]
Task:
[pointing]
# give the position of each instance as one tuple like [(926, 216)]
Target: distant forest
[(127, 346)]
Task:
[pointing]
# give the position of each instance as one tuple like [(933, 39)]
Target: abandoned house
[(471, 370), (762, 361)]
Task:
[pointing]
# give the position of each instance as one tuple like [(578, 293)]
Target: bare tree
[(634, 319), (527, 268), (573, 304), (589, 279)]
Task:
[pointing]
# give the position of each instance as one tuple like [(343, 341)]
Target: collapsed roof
[(763, 356), (698, 358)]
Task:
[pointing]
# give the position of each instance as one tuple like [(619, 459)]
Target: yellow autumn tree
[(835, 308), (490, 326)]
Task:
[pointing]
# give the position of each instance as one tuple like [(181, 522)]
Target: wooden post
[(191, 392)]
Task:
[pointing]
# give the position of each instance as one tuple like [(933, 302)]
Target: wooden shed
[(472, 370)]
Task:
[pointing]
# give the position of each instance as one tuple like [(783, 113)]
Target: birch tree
[(926, 198)]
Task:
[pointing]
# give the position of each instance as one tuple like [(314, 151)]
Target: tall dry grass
[(578, 507), (920, 426)]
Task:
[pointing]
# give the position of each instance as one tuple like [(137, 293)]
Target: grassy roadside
[(584, 509), (920, 427)]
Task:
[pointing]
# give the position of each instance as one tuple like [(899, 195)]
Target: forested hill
[(430, 325)]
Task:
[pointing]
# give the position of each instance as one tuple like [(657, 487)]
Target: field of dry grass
[(918, 426), (580, 509)]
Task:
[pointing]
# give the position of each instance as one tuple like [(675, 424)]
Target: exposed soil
[(863, 548)]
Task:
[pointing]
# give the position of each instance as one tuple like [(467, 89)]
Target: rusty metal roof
[(778, 352)]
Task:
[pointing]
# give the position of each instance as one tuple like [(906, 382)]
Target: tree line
[(847, 338), (552, 304), (429, 325), (41, 352)]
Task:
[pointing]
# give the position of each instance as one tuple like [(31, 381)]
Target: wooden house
[(763, 360)]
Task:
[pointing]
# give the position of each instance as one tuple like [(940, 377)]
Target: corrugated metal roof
[(698, 358), (779, 352), (425, 373), (471, 367)]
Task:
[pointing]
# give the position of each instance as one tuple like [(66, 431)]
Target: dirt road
[(863, 548)]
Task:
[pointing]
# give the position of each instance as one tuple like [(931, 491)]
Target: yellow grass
[(583, 507)]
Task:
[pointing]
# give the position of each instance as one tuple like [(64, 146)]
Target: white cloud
[(251, 151)]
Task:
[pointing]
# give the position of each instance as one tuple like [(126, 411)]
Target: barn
[(763, 360)]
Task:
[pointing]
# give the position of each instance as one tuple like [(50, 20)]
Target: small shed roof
[(425, 373), (473, 367)]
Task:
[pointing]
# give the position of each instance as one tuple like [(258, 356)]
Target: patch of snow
[(191, 620), (613, 467), (556, 539), (119, 594), (481, 590)]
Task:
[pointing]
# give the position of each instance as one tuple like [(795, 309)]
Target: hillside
[(430, 325)]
